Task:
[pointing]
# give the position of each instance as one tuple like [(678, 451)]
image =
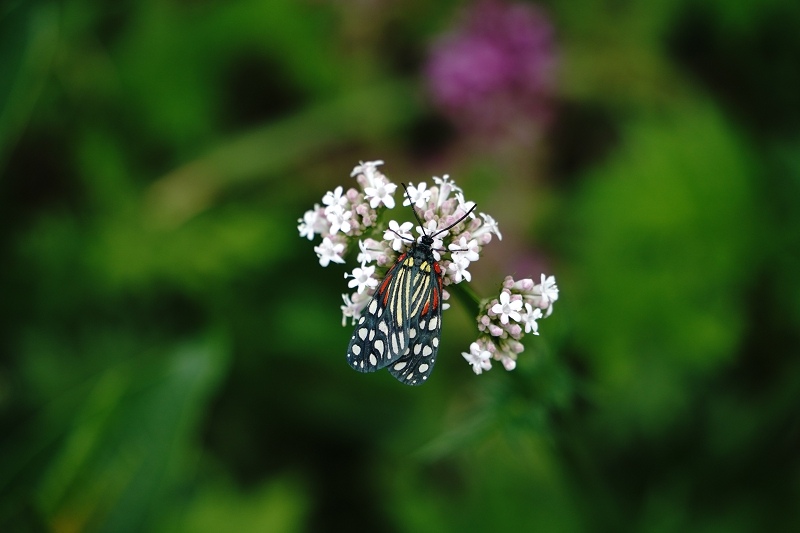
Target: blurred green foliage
[(171, 356)]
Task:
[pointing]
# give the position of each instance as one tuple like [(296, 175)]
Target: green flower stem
[(467, 295)]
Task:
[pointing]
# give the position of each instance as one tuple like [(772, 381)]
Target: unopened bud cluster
[(505, 320)]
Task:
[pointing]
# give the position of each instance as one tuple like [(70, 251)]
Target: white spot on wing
[(432, 324), (362, 333), (372, 359), (378, 345), (423, 368), (400, 366), (427, 351), (373, 306), (356, 349)]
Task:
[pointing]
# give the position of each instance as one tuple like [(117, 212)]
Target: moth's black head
[(427, 240)]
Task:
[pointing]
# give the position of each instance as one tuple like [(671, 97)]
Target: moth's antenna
[(471, 209), (413, 208), (401, 236)]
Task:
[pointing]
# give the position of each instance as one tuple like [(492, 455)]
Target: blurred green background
[(171, 353)]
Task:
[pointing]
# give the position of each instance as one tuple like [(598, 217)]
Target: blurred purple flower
[(496, 68)]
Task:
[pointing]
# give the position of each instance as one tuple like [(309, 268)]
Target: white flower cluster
[(346, 215), (351, 217), (508, 318)]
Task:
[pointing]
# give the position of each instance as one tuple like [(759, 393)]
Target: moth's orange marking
[(427, 307), (388, 278), (384, 284)]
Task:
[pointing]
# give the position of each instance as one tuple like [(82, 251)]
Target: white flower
[(465, 250), (459, 266), (465, 205), (489, 225), (479, 357), (446, 186), (529, 318), (545, 293), (548, 289), (329, 251), (380, 193), (419, 195), (398, 234), (348, 310), (371, 250), (362, 279), (368, 169), (429, 228), (507, 309), (339, 218), (312, 223), (335, 201), (352, 306)]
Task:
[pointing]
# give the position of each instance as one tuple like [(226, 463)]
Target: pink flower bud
[(508, 363)]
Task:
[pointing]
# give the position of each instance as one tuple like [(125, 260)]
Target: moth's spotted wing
[(381, 335)]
